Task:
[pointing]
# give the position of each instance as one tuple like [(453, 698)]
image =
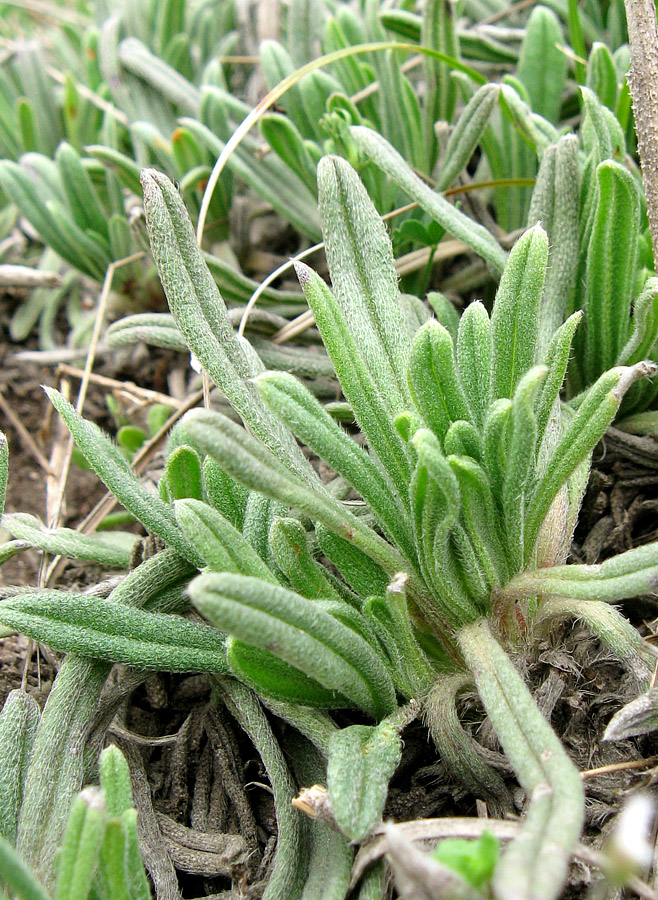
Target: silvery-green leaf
[(640, 716), (361, 762)]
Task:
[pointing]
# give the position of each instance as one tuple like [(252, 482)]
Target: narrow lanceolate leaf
[(542, 64), (470, 127), (17, 876), (434, 381), (623, 576), (182, 475), (644, 325), (19, 720), (474, 360), (115, 472), (250, 463), (610, 274), (219, 544), (300, 633), (115, 780), (156, 329), (460, 226), (201, 314), (313, 426), (360, 390), (78, 858), (83, 200), (515, 316), (535, 864), (438, 31), (109, 549), (275, 679), (360, 764), (99, 629), (582, 434), (289, 546), (557, 360), (554, 205), (360, 259)]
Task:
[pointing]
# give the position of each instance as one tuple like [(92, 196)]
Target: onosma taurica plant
[(431, 562)]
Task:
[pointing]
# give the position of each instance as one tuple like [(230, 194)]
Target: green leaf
[(221, 546), (610, 274), (474, 352), (315, 428), (434, 381), (439, 32), (467, 134), (554, 205), (284, 138), (581, 435), (535, 864), (226, 495), (80, 850), (602, 75), (115, 780), (557, 360), (271, 677), (100, 629), (542, 64), (475, 860), (201, 315), (83, 200), (17, 875), (455, 222), (300, 633), (358, 570), (363, 394), (116, 474), (182, 474), (361, 762), (109, 549), (363, 276), (250, 463), (618, 578), (515, 316), (289, 546), (644, 325), (19, 721)]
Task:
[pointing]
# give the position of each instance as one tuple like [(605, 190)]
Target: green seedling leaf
[(271, 677), (515, 316), (474, 360), (115, 472), (610, 274), (81, 846), (363, 277), (456, 223), (289, 546), (19, 721), (302, 634), (360, 390), (581, 435), (542, 64), (109, 549), (99, 629), (115, 781), (182, 475), (434, 381), (284, 138), (221, 546), (315, 428), (535, 864), (16, 875), (467, 134), (250, 463), (445, 312), (644, 325), (475, 861), (130, 438), (360, 764), (201, 315)]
